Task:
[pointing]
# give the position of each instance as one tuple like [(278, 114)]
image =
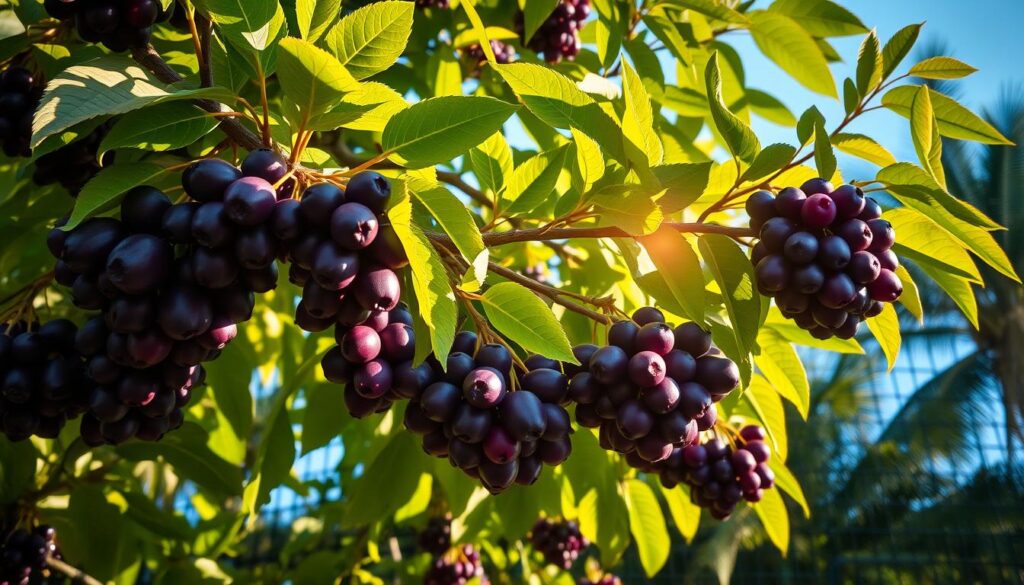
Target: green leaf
[(629, 207), (372, 38), (638, 118), (250, 26), (604, 520), (932, 202), (920, 237), (647, 524), (454, 218), (911, 297), (557, 101), (782, 40), (851, 98), (821, 18), (660, 22), (735, 277), (959, 289), (769, 160), (389, 482), (312, 77), (869, 65), (772, 512), (160, 128), (106, 86), (322, 419), (609, 29), (590, 164), (105, 189), (445, 73), (314, 16), (534, 15), (533, 182), (770, 108), (790, 332), (522, 317), (955, 121), (492, 162), (781, 365), (429, 277), (679, 266), (383, 101), (764, 401), (711, 8), (186, 450), (439, 129), (910, 182), (941, 68), (863, 147), (685, 514), (787, 482), (482, 38), (897, 48), (925, 134), (740, 139), (824, 157), (684, 183), (886, 329)]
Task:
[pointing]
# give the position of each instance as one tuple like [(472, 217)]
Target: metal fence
[(886, 508)]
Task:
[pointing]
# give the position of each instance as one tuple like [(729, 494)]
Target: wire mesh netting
[(911, 476)]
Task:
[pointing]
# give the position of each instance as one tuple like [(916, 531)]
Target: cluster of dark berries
[(19, 95), (42, 379), (605, 579), (472, 416), (74, 164), (24, 555), (439, 4), (652, 388), (457, 566), (824, 255), (373, 360), (343, 252), (119, 24), (560, 542), (436, 538), (720, 475), (173, 282), (559, 36), (503, 53), (344, 255)]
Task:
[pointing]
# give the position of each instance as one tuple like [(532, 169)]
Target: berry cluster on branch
[(120, 25), (721, 474), (42, 379), (559, 542), (559, 36), (824, 255), (24, 555), (473, 416), (653, 388), (20, 91)]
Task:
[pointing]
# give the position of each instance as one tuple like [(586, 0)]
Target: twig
[(541, 234), (151, 60), (548, 292), (205, 35), (71, 572)]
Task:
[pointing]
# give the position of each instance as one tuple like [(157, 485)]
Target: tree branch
[(543, 235), (548, 292), (73, 573), (205, 34), (151, 60)]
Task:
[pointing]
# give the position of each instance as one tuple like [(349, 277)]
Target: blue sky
[(983, 33)]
